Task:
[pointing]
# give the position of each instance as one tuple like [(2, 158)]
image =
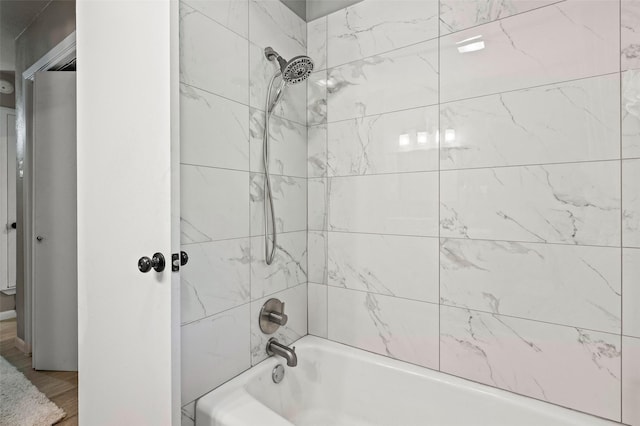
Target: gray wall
[(54, 23), (8, 100), (312, 9)]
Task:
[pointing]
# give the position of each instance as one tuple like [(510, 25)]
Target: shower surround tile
[(630, 34), (271, 23), (569, 366), (213, 66), (317, 242), (214, 350), (405, 141), (514, 53), (372, 27), (571, 285), (398, 328), (317, 151), (631, 114), (288, 145), (295, 299), (317, 204), (631, 292), (317, 42), (203, 293), (573, 121), (289, 267), (210, 210), (214, 131), (456, 15), (631, 203), (563, 203), (188, 415), (631, 381), (317, 98), (361, 262), (364, 87), (293, 104), (289, 199), (318, 310), (409, 205), (230, 13)]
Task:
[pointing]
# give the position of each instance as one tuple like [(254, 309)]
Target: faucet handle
[(272, 316), (279, 318)]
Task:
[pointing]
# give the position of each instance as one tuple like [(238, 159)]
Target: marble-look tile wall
[(224, 77), (474, 192)]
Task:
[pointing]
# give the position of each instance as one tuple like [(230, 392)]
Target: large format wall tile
[(287, 145), (317, 242), (213, 204), (375, 26), (233, 14), (456, 15), (214, 350), (214, 130), (364, 87), (217, 278), (292, 104), (631, 203), (289, 267), (571, 285), (361, 262), (399, 328), (631, 292), (568, 366), (631, 381), (295, 300), (564, 203), (585, 38), (271, 23), (573, 121), (404, 141), (318, 310), (630, 34), (405, 204), (317, 98), (317, 204), (213, 66), (317, 151), (631, 114), (317, 42), (188, 415), (289, 199)]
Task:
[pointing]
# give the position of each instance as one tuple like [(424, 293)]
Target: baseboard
[(7, 315), (22, 346)]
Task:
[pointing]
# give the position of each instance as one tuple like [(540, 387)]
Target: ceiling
[(312, 9), (15, 16)]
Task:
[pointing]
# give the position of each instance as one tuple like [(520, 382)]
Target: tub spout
[(275, 348)]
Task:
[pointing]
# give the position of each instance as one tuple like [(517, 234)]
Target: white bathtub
[(336, 385)]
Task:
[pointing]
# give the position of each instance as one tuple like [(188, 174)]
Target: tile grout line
[(520, 89), (439, 191), (327, 180), (621, 215)]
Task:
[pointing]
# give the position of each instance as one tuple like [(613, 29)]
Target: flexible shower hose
[(269, 251)]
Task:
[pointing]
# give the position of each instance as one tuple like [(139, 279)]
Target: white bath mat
[(21, 403)]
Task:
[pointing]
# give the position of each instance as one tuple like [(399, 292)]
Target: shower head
[(294, 71)]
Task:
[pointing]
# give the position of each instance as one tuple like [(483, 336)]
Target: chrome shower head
[(294, 71)]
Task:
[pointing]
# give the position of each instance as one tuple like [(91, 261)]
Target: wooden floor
[(61, 387)]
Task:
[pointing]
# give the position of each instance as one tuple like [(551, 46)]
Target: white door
[(128, 207), (7, 198), (54, 284), (11, 202)]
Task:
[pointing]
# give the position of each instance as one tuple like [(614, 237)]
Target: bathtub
[(336, 385)]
